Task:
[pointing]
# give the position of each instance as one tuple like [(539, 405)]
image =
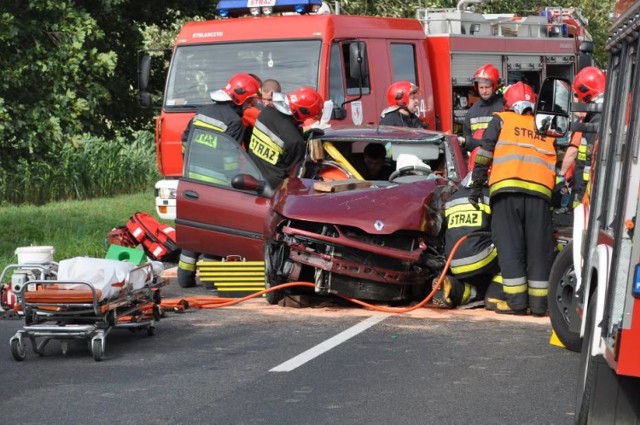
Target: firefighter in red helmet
[(523, 171), (486, 81), (228, 104), (402, 105), (277, 144), (224, 115), (588, 86)]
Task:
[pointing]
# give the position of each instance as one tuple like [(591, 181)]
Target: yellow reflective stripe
[(513, 290), (476, 265), (186, 266), (520, 184), (538, 292), (466, 294), (497, 279), (466, 207), (479, 125), (208, 179)]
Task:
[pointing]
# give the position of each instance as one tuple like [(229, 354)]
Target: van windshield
[(196, 71)]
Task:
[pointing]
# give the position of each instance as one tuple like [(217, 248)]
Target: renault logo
[(379, 225)]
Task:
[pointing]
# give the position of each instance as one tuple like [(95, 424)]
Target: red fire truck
[(352, 59), (605, 293)]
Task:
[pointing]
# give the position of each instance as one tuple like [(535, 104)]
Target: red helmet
[(241, 87), (398, 93), (487, 72), (589, 83), (305, 103), (519, 97)]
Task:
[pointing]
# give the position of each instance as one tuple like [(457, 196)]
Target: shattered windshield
[(198, 70)]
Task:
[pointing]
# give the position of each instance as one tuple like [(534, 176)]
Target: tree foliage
[(70, 66)]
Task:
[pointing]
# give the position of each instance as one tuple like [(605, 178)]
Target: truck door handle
[(190, 194)]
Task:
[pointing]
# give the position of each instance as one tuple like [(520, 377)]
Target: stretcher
[(86, 300)]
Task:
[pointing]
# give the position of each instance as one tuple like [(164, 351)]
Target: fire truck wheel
[(18, 350), (561, 300), (603, 393)]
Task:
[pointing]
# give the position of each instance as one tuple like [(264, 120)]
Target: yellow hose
[(340, 159)]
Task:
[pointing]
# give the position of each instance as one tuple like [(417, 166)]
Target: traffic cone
[(555, 340)]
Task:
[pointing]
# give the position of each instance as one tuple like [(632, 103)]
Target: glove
[(474, 196), (560, 179)]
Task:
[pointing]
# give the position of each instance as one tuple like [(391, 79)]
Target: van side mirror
[(553, 107), (357, 60), (338, 113)]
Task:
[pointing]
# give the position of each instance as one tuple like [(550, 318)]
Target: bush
[(86, 168)]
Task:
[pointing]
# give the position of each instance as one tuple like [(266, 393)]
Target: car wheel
[(561, 299), (274, 256)]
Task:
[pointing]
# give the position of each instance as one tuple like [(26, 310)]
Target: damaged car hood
[(377, 210)]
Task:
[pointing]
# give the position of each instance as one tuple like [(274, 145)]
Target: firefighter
[(588, 86), (486, 81), (226, 116), (277, 144), (475, 264), (250, 113), (228, 104), (520, 187), (402, 105)]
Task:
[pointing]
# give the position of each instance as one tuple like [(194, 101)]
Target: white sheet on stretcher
[(104, 274)]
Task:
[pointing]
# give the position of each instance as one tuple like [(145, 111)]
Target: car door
[(212, 217)]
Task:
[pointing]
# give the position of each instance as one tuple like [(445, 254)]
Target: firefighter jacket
[(478, 118), (392, 116), (225, 117), (276, 145), (522, 161), (581, 174), (477, 255)]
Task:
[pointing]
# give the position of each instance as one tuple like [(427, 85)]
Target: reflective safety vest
[(477, 255), (266, 144), (523, 161)]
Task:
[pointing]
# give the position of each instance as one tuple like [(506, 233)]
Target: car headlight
[(166, 193)]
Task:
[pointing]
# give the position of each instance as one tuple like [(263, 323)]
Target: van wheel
[(561, 299)]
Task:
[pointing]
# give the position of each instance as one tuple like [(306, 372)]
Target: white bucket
[(35, 254)]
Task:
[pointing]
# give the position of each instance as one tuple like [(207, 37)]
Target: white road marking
[(327, 345)]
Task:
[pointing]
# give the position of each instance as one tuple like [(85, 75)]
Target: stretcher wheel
[(18, 349), (97, 348)]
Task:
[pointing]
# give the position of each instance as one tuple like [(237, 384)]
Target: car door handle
[(190, 194)]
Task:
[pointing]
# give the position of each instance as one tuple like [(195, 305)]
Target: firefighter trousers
[(522, 230)]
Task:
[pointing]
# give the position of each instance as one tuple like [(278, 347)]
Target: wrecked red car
[(371, 240)]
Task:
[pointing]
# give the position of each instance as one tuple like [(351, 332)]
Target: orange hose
[(209, 302)]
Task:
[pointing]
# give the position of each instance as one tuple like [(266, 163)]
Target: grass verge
[(73, 228)]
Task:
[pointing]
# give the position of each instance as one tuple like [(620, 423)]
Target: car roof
[(381, 134)]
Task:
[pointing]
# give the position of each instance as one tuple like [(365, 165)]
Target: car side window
[(215, 158)]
